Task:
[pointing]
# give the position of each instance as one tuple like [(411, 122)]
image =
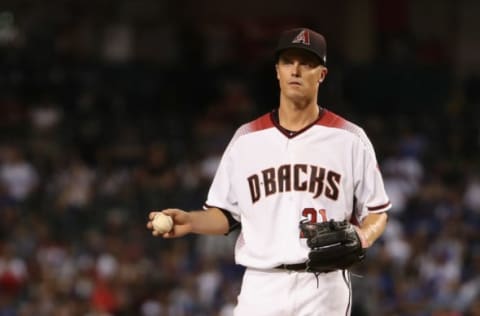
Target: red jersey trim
[(330, 119), (379, 207), (261, 123)]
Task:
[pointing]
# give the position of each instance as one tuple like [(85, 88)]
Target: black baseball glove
[(333, 245)]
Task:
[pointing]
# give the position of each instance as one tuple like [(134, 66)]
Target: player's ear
[(323, 74), (276, 69)]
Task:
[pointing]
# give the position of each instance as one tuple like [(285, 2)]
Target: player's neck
[(294, 118)]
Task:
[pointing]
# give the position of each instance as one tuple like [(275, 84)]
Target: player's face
[(299, 74)]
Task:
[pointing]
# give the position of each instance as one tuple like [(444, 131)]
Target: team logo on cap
[(302, 37)]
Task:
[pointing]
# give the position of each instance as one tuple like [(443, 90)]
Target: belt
[(293, 267), (299, 267)]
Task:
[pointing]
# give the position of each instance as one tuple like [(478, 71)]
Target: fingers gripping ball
[(162, 223)]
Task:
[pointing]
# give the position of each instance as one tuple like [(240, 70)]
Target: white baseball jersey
[(270, 179)]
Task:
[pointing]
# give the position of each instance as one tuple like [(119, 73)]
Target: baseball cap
[(303, 38)]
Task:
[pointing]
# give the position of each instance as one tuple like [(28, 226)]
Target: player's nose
[(295, 69)]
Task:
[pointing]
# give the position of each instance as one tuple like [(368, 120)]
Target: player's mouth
[(294, 83)]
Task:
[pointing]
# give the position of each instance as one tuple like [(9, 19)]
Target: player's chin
[(297, 96), (298, 90)]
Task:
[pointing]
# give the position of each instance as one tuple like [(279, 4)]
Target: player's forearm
[(372, 227), (210, 222)]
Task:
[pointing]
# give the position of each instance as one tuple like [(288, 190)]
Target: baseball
[(162, 223)]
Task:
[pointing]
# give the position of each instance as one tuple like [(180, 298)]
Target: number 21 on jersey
[(312, 214)]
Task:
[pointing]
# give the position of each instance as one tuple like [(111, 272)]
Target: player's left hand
[(333, 245)]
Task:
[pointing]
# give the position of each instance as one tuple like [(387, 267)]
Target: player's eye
[(308, 63)]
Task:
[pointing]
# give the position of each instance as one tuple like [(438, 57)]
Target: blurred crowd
[(102, 122)]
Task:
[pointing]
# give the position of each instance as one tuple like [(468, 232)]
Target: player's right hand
[(181, 223)]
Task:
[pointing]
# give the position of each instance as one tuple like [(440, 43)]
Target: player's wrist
[(363, 237), (207, 222)]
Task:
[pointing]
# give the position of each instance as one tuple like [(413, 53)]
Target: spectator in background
[(17, 174), (72, 193), (13, 271)]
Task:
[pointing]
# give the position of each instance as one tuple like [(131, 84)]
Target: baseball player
[(299, 163)]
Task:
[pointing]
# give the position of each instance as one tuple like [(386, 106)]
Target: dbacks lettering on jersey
[(297, 177)]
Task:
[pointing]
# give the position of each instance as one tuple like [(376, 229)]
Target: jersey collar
[(288, 133)]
